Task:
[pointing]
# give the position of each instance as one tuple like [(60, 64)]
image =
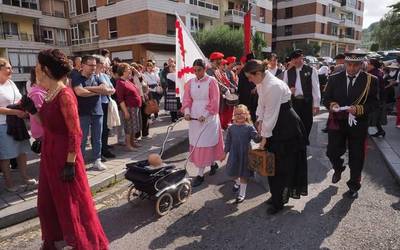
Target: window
[(322, 28), (93, 30), (61, 37), (171, 24), (72, 7), (92, 5), (30, 4), (74, 34), (289, 12), (324, 10), (334, 30), (111, 2), (112, 28), (194, 23), (288, 30), (47, 36), (22, 62), (10, 28)]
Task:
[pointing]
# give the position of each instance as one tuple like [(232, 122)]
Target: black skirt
[(288, 143)]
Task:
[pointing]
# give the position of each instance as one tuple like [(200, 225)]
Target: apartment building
[(143, 29), (335, 25), (28, 26)]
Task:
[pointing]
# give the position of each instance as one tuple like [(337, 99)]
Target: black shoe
[(103, 159), (108, 154), (273, 210), (235, 188), (351, 194), (214, 168), (379, 133), (239, 199), (14, 164), (337, 175), (325, 130), (198, 181), (269, 201)]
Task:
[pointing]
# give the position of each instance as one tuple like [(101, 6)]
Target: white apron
[(202, 134)]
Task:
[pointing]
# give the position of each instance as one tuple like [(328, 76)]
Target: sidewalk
[(21, 206), (390, 146)]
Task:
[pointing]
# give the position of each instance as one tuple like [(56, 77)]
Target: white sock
[(200, 172), (242, 191)]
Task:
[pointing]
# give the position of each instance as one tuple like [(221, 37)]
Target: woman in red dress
[(65, 205)]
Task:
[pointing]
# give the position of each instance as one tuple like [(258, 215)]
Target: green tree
[(374, 47), (258, 44), (221, 38)]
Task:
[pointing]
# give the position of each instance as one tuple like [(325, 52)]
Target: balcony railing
[(18, 37), (205, 4), (55, 14), (56, 43), (85, 40), (239, 13), (342, 36)]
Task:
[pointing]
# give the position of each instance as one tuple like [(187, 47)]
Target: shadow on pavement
[(215, 226)]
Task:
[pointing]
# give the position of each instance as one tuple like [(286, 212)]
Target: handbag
[(262, 162), (151, 107), (36, 146)]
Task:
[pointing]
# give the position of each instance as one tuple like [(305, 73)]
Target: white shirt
[(316, 94), (273, 71), (354, 80), (9, 94), (152, 80), (324, 70), (272, 93)]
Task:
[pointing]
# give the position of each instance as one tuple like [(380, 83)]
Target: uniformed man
[(350, 96), (304, 84)]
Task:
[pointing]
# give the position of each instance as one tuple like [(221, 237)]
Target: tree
[(374, 47), (387, 32), (221, 38), (258, 44)]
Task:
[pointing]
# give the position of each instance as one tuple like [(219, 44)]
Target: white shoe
[(158, 119), (146, 137), (98, 165), (32, 182)]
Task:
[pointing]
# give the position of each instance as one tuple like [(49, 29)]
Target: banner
[(247, 33), (187, 51)]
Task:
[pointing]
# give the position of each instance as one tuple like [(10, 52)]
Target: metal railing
[(233, 12), (55, 14), (85, 40), (205, 4), (18, 37)]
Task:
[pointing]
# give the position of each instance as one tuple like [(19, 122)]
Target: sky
[(375, 10)]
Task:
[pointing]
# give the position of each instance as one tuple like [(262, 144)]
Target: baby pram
[(167, 185)]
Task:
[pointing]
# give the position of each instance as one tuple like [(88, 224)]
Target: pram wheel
[(183, 192), (133, 195), (164, 203)]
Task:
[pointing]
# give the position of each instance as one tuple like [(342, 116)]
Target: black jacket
[(16, 126)]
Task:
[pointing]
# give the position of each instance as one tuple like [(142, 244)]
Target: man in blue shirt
[(88, 90)]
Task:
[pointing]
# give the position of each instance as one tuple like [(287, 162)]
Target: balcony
[(347, 22), (236, 16), (20, 40), (20, 8), (85, 44), (205, 8), (54, 14)]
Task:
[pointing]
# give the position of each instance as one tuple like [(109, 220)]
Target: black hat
[(340, 56), (296, 53), (356, 55)]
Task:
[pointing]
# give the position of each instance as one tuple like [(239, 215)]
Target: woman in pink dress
[(200, 106), (65, 205)]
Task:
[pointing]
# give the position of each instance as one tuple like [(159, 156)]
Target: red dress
[(66, 209), (225, 112)]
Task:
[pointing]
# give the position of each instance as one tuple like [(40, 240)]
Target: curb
[(391, 157), (28, 210)]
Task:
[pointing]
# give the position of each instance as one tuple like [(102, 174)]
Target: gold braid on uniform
[(359, 103)]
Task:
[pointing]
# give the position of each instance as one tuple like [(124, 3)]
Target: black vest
[(305, 78)]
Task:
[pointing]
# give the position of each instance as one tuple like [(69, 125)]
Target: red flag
[(247, 32)]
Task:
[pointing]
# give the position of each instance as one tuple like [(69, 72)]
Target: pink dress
[(37, 94), (66, 209), (201, 98)]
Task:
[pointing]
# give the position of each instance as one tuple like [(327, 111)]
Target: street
[(209, 219)]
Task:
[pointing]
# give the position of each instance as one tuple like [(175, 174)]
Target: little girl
[(237, 143)]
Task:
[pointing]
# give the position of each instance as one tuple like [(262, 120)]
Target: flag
[(186, 52), (247, 32)]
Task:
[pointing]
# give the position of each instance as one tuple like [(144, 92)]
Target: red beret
[(216, 56), (223, 62), (231, 59), (243, 59)]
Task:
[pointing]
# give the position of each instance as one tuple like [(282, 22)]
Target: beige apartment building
[(335, 25)]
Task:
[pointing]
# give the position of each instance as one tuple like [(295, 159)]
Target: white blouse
[(9, 94), (272, 93)]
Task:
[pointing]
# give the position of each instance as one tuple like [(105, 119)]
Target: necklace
[(51, 94)]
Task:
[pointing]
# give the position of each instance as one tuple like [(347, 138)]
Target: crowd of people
[(227, 104)]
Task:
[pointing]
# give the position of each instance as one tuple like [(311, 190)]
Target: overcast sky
[(375, 9)]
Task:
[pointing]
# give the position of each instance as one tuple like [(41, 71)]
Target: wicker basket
[(262, 162)]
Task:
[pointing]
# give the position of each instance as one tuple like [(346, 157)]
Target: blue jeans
[(95, 122)]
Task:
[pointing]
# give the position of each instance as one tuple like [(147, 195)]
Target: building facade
[(334, 26)]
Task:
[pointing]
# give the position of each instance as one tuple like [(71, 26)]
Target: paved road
[(209, 220)]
